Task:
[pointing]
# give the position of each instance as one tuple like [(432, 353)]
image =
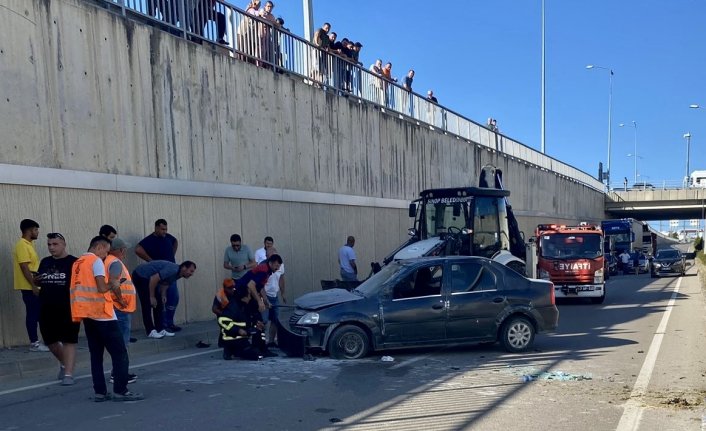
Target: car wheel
[(598, 300), (517, 334), (349, 342)]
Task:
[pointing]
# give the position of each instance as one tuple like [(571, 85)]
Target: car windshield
[(370, 285), (667, 254)]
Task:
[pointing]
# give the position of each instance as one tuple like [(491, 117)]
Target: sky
[(483, 59)]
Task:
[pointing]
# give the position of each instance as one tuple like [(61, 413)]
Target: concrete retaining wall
[(84, 90)]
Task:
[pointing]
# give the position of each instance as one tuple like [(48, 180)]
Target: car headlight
[(309, 319), (657, 265), (598, 276), (544, 274)]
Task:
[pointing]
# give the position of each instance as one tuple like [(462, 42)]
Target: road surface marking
[(85, 376), (633, 407)]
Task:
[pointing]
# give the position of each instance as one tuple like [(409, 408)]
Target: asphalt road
[(638, 361)]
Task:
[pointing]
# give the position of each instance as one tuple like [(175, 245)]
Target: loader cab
[(475, 219)]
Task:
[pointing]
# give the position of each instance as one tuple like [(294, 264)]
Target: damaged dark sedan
[(427, 302)]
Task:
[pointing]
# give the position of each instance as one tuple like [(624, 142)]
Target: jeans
[(151, 316), (124, 323), (32, 314), (171, 305), (272, 314), (348, 276), (101, 336)]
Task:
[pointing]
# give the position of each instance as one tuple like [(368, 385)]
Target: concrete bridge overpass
[(657, 204), (108, 118)]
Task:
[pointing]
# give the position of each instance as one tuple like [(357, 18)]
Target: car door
[(473, 301), (414, 311)]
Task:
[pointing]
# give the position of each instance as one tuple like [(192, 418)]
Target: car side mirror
[(412, 212)]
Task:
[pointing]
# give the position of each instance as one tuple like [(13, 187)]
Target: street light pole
[(635, 156), (308, 20), (687, 136), (543, 137), (610, 114)]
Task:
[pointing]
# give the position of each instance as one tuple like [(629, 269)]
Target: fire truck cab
[(572, 258)]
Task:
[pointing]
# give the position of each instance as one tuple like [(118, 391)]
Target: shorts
[(56, 325)]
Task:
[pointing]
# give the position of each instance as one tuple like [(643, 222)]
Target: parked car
[(427, 301), (643, 262), (668, 261)]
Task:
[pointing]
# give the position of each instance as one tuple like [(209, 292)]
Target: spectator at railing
[(409, 99), (492, 124), (389, 90), (322, 41), (431, 97), (248, 34), (267, 42), (168, 9), (284, 51), (378, 87), (333, 60), (204, 12), (357, 72)]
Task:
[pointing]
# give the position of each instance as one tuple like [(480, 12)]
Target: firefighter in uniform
[(92, 303), (240, 334)]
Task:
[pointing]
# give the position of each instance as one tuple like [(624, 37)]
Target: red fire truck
[(571, 257)]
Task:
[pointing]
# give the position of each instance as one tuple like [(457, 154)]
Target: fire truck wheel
[(517, 334), (599, 300)]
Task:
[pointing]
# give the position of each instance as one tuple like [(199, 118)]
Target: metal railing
[(262, 42)]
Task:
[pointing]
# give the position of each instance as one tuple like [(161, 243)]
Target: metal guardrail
[(656, 185), (262, 42)]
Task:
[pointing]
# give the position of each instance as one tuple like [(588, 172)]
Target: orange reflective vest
[(86, 301), (127, 289), (222, 298)]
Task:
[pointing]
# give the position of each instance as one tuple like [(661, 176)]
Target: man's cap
[(118, 244), (228, 282)]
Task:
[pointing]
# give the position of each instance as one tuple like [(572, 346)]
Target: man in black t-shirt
[(160, 245), (59, 332)]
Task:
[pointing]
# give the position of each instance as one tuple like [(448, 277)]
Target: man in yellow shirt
[(25, 263)]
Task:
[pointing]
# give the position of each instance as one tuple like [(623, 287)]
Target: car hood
[(325, 298), (670, 260), (418, 249)]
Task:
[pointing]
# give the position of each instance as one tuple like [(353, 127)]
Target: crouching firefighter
[(240, 335)]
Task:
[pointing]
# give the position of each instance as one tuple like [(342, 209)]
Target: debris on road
[(387, 359)]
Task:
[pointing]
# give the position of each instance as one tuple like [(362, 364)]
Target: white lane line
[(630, 420), (85, 376)]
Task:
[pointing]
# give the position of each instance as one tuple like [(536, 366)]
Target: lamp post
[(308, 20), (610, 113), (634, 155), (543, 134), (687, 136)]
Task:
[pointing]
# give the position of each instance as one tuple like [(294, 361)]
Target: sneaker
[(62, 372), (99, 398), (173, 328), (38, 347), (155, 334), (131, 378), (128, 396), (166, 333), (67, 381)]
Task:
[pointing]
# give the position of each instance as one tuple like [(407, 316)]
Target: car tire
[(517, 334), (349, 342)]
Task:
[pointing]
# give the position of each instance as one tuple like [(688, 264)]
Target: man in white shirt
[(624, 260), (261, 253), (273, 288)]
